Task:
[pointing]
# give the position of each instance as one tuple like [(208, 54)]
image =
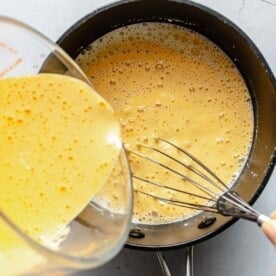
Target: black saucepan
[(259, 79)]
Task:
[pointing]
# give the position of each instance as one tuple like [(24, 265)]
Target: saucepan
[(256, 73)]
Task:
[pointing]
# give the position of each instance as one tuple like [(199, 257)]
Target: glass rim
[(68, 61)]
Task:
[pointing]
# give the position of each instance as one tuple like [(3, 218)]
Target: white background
[(241, 250)]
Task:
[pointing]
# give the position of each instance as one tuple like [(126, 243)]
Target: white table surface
[(241, 250)]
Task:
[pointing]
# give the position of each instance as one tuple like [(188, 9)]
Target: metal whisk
[(225, 201)]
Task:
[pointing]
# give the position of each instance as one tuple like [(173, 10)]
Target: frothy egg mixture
[(167, 81), (59, 142)]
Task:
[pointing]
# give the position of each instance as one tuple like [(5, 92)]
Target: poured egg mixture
[(59, 141), (167, 81)]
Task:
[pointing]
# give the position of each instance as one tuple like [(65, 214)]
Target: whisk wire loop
[(203, 188), (225, 202)]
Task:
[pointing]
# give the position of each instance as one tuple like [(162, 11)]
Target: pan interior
[(247, 59), (161, 78)]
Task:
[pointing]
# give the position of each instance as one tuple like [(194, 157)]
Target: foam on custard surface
[(59, 142), (167, 81)]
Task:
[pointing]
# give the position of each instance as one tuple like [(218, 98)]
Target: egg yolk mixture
[(168, 81), (59, 142)]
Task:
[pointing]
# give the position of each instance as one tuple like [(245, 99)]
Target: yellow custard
[(59, 142), (170, 82)]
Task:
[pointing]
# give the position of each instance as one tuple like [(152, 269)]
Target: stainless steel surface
[(214, 257), (230, 204), (163, 264), (190, 261)]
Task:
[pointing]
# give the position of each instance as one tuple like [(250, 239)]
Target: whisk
[(225, 201)]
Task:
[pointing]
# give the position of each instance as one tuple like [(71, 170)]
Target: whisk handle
[(230, 204), (261, 219)]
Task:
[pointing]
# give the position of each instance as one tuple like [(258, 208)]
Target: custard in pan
[(168, 81)]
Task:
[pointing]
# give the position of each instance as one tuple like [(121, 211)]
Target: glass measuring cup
[(100, 230)]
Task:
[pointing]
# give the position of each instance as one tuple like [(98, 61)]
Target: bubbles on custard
[(151, 70), (43, 157)]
